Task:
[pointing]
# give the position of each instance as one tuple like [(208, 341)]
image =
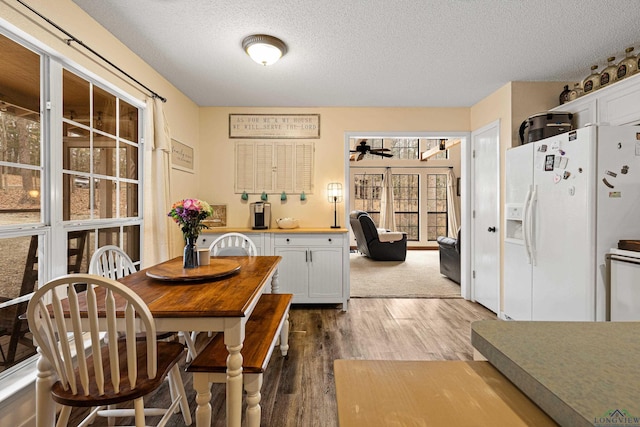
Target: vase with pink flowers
[(189, 214)]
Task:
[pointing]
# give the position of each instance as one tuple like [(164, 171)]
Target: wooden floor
[(299, 391)]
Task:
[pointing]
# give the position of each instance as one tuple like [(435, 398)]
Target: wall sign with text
[(182, 156), (286, 126)]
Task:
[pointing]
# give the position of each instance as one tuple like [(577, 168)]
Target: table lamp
[(334, 194)]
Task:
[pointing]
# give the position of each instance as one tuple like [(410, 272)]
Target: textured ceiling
[(378, 53)]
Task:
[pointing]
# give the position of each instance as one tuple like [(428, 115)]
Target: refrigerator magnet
[(607, 183), (549, 161), (563, 163)]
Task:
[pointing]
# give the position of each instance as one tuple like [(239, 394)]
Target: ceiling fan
[(362, 148)]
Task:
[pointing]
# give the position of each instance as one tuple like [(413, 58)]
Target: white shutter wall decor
[(304, 167), (274, 167), (264, 167), (284, 167), (244, 167)]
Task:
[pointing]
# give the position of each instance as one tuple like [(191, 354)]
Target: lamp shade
[(334, 192), (264, 49)]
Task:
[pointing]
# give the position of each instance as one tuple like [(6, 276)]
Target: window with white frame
[(419, 188), (70, 180)]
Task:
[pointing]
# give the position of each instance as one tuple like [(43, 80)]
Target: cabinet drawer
[(308, 240)]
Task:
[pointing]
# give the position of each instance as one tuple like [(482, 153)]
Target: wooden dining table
[(221, 303)]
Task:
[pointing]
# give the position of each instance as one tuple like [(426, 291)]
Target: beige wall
[(217, 152)]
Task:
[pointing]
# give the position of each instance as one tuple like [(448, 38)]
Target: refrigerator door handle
[(525, 224), (531, 223)]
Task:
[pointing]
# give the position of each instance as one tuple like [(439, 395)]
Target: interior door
[(485, 218)]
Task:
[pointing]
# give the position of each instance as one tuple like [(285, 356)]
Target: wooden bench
[(268, 324)]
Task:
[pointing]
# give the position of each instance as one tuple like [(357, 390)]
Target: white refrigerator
[(569, 199)]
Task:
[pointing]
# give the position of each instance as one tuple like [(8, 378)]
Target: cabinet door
[(325, 272), (293, 271)]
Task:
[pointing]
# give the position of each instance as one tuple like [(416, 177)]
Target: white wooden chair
[(229, 244), (106, 374), (112, 262)]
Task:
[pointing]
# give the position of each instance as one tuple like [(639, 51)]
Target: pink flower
[(190, 204)]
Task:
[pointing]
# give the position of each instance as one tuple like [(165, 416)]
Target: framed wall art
[(280, 126), (182, 156)]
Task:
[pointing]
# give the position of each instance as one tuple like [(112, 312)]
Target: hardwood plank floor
[(299, 391)]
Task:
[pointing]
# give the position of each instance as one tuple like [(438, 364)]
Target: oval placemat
[(172, 270)]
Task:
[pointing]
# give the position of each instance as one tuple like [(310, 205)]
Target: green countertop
[(579, 373)]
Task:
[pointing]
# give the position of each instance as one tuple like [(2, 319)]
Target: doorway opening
[(420, 164)]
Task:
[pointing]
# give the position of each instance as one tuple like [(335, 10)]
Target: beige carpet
[(417, 277)]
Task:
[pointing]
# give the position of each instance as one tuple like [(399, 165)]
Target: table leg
[(202, 386), (275, 283), (234, 386), (45, 406)]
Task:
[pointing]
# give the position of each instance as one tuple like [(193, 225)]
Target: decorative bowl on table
[(287, 223)]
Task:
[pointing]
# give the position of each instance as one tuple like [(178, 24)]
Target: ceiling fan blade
[(360, 156), (384, 154), (379, 149)]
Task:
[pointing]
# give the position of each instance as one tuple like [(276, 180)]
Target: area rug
[(416, 277)]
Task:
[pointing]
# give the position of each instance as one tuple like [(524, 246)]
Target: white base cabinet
[(315, 262), (311, 266)]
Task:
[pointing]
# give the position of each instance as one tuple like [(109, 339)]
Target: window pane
[(104, 155), (20, 277), (131, 242), (128, 121), (19, 135), (368, 193), (19, 196), (436, 206), (104, 111), (109, 236), (76, 152), (76, 98), (128, 161), (76, 197), (78, 251), (432, 143), (128, 200), (105, 199), (404, 148), (406, 193)]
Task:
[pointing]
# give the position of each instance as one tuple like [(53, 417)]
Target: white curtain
[(157, 238), (452, 205), (387, 214)]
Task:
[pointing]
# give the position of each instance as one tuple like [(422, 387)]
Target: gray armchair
[(383, 246)]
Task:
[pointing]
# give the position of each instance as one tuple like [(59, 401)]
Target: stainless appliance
[(260, 215), (543, 125)]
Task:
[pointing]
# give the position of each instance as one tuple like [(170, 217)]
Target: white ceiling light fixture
[(264, 49)]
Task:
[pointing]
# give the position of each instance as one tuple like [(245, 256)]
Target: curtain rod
[(74, 39)]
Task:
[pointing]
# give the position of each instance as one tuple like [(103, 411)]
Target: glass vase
[(190, 257)]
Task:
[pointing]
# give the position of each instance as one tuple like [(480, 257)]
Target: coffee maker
[(260, 215)]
